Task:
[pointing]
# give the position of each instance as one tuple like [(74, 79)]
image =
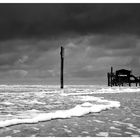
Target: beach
[(114, 122), (69, 69)]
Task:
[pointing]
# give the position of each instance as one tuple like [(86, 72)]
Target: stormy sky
[(95, 37)]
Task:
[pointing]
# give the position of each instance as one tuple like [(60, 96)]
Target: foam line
[(101, 90), (78, 110)]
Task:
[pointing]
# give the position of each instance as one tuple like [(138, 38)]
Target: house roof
[(123, 71)]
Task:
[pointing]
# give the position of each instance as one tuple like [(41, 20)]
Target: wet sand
[(116, 122)]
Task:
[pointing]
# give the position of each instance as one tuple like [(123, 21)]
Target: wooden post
[(119, 81), (111, 76), (108, 76), (139, 81), (129, 82), (62, 68)]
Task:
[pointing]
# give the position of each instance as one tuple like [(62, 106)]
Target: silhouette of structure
[(62, 68), (122, 77)]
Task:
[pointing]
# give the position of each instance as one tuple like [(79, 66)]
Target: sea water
[(34, 103)]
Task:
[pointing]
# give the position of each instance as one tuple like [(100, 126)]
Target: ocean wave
[(78, 110)]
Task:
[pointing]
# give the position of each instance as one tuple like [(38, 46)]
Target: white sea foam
[(97, 90), (7, 103), (68, 90), (33, 103), (90, 98), (102, 134), (78, 110)]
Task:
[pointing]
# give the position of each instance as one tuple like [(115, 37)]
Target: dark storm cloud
[(95, 37), (23, 26), (17, 52), (96, 46), (45, 20), (83, 73), (92, 56), (113, 41)]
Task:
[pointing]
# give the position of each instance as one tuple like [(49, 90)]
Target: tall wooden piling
[(62, 68)]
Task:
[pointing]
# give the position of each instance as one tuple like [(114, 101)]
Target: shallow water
[(34, 103)]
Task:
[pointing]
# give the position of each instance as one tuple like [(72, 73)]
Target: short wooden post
[(129, 82), (139, 81), (111, 76), (119, 81), (108, 76)]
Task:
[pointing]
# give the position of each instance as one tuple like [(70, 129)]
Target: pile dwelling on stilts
[(122, 77)]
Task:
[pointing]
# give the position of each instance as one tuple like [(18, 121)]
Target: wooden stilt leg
[(108, 76), (139, 81), (111, 76)]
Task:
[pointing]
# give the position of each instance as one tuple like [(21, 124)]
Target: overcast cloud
[(95, 37)]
